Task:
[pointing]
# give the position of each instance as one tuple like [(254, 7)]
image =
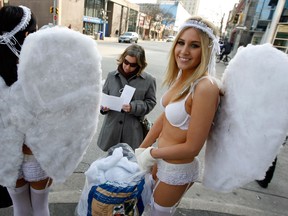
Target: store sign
[(92, 19)]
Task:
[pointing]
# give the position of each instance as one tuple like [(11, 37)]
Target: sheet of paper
[(116, 103), (127, 94), (113, 102)]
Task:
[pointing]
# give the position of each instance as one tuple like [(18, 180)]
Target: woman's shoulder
[(112, 73), (207, 84), (207, 81), (147, 75)]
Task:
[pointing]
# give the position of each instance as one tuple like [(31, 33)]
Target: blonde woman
[(189, 106)]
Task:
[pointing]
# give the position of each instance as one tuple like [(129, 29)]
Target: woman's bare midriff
[(172, 136)]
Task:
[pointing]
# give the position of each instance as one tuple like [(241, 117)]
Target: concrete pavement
[(250, 200)]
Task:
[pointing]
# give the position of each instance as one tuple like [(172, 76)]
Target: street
[(156, 56), (198, 201), (257, 201)]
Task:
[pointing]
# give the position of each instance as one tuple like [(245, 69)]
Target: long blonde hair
[(172, 69)]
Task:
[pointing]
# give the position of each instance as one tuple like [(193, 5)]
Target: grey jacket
[(121, 127)]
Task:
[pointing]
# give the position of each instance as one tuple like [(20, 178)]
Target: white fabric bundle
[(116, 169), (252, 120), (54, 103)]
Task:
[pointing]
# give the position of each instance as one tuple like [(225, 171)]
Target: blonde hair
[(172, 69)]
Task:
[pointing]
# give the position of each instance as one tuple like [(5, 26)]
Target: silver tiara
[(9, 39), (215, 44)]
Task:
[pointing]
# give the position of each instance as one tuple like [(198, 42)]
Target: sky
[(214, 10)]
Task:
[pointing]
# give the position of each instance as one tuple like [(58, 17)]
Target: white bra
[(175, 112)]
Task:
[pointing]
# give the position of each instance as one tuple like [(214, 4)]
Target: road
[(157, 59), (199, 201)]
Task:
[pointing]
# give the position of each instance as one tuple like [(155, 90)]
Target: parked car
[(128, 37), (170, 38)]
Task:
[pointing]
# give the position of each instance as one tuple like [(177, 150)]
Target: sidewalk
[(250, 200)]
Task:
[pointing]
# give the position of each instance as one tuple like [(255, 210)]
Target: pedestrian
[(268, 176), (225, 49), (270, 172), (189, 106), (32, 187), (125, 126)]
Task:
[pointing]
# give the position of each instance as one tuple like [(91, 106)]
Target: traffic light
[(236, 18), (52, 10)]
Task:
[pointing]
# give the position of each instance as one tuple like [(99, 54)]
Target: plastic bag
[(113, 185)]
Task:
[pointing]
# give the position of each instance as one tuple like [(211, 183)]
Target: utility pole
[(54, 12), (275, 20), (221, 25), (104, 18), (241, 27)]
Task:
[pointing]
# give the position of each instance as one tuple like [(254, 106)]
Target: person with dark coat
[(125, 126), (225, 49)]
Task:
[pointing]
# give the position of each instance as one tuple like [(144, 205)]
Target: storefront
[(281, 38), (92, 25)]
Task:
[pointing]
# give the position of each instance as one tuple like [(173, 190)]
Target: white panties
[(31, 170), (178, 174)]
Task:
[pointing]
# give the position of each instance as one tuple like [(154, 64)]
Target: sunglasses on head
[(126, 62)]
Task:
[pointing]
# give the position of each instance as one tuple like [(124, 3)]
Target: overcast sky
[(215, 9)]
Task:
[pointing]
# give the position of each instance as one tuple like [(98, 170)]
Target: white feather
[(252, 120), (56, 100)]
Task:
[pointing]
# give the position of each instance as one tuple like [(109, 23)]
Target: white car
[(128, 37), (170, 38)]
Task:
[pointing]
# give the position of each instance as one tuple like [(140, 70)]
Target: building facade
[(250, 22), (191, 6), (88, 16)]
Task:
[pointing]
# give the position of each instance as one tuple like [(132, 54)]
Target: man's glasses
[(126, 62)]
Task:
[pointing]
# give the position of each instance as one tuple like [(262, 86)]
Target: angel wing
[(252, 120), (57, 96)]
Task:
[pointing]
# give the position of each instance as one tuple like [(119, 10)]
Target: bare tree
[(161, 17), (152, 10)]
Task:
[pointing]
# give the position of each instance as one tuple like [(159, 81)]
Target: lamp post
[(104, 18), (54, 12)]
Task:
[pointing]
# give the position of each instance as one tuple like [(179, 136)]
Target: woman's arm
[(154, 132), (105, 89), (204, 106)]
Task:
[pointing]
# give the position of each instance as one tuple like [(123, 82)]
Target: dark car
[(128, 37)]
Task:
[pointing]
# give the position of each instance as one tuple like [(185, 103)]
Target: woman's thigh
[(168, 195), (42, 184)]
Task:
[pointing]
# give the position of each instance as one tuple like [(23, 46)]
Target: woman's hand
[(144, 158), (126, 108), (105, 109)]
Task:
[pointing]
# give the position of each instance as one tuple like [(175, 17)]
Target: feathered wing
[(60, 77), (11, 139), (252, 120)]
